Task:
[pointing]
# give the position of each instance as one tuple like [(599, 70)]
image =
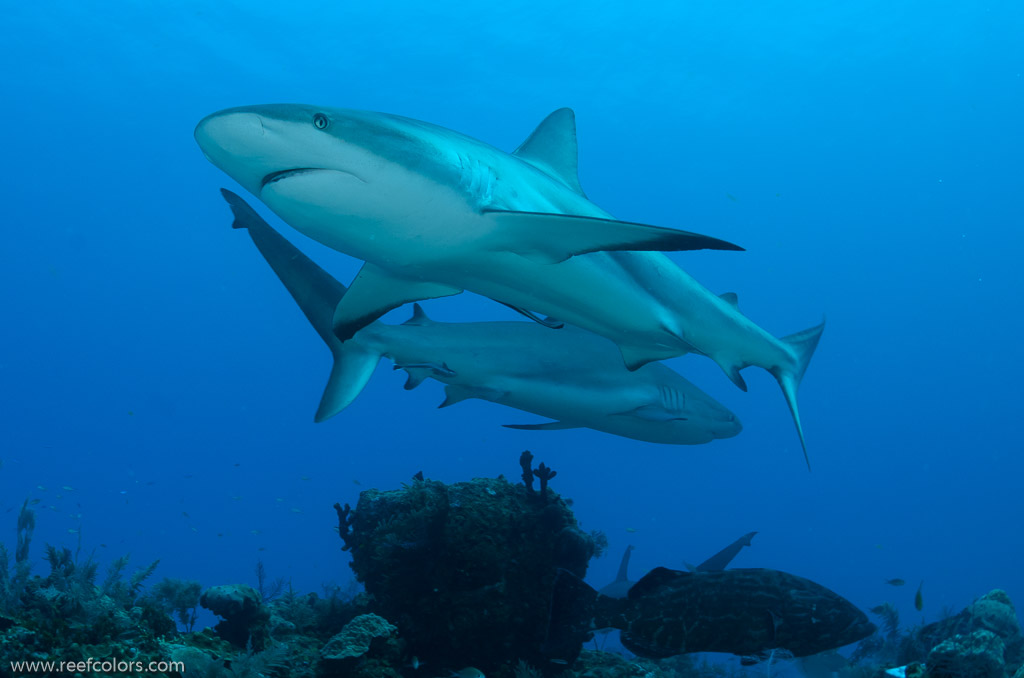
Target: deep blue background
[(868, 158)]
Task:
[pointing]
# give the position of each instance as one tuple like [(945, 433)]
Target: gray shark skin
[(573, 376), (433, 212), (745, 612)]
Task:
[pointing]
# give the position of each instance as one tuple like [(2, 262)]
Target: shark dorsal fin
[(552, 148), (419, 316), (731, 299)]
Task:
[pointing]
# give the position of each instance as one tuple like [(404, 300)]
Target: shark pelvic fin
[(635, 358), (552, 148), (455, 393), (802, 344), (551, 238), (420, 371), (545, 426), (374, 292)]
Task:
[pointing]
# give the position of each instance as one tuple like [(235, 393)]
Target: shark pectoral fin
[(374, 292), (546, 426), (455, 393), (651, 413), (546, 322), (553, 150), (551, 238)]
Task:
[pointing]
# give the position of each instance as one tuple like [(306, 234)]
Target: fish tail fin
[(802, 344), (354, 364), (572, 607)]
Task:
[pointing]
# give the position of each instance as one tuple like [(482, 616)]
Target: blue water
[(868, 156)]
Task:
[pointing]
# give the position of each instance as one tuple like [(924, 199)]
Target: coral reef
[(244, 619), (983, 640), (458, 577), (466, 570)]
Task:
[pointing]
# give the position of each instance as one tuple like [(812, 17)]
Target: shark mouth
[(275, 176)]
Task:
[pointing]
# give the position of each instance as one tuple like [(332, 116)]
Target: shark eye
[(320, 121)]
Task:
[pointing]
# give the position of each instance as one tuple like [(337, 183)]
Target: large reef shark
[(574, 377), (433, 212)]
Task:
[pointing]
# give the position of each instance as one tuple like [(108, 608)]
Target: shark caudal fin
[(317, 294), (802, 344)]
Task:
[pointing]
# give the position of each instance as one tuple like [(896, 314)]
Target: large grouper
[(574, 377), (433, 212), (752, 613)]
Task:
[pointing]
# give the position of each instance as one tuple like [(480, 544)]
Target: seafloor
[(457, 581)]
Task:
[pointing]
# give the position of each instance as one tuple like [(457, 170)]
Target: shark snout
[(228, 132), (235, 142)]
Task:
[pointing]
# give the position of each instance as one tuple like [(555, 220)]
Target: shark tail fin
[(354, 364), (802, 344)]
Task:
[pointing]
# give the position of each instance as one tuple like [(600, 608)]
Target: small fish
[(185, 514), (296, 510), (103, 546), (732, 197), (67, 488), (40, 488), (71, 530), (630, 529), (415, 664), (918, 598), (131, 413), (236, 497), (307, 478), (35, 501), (195, 530), (895, 582), (255, 531)]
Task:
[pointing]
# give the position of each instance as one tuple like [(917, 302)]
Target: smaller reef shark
[(572, 376), (746, 612)]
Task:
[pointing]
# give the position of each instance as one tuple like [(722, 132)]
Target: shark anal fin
[(546, 322), (546, 426), (552, 238), (552, 149), (374, 292)]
